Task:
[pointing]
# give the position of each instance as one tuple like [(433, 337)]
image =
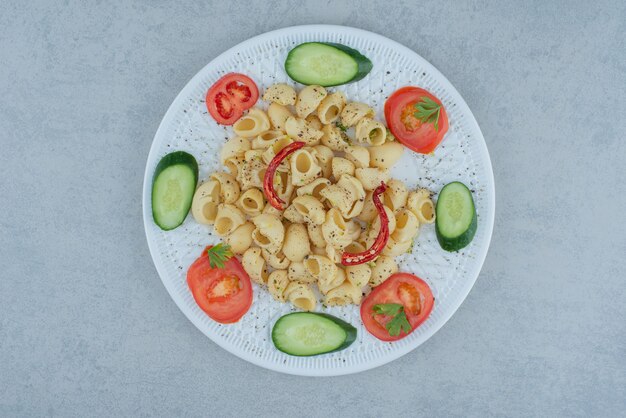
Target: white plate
[(462, 156)]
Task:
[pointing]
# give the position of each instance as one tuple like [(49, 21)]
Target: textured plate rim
[(464, 288)]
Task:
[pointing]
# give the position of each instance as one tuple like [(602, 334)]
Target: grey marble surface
[(87, 328)]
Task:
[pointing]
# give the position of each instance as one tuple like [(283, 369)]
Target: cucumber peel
[(311, 334), (456, 220), (173, 186), (326, 64)]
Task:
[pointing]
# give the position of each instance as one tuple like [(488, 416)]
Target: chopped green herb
[(390, 136), (428, 111), (390, 309), (341, 126), (410, 250), (399, 322), (218, 255)]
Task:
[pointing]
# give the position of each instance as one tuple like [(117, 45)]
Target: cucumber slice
[(310, 334), (173, 185), (456, 217), (326, 64)]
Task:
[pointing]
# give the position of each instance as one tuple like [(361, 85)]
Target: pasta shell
[(309, 99), (252, 124), (283, 94)]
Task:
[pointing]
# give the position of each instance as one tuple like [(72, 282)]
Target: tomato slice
[(405, 289), (422, 137), (225, 294), (230, 96)]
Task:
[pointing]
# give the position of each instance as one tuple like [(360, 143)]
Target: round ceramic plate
[(462, 156)]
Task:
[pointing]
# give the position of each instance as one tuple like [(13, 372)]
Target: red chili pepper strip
[(352, 259), (268, 180)]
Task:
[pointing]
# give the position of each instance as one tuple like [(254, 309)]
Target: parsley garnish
[(399, 322), (341, 126), (218, 255), (390, 136), (428, 111)]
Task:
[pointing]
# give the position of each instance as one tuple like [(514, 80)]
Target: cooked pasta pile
[(327, 187)]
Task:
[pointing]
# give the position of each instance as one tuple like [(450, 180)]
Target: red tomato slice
[(230, 96), (406, 289), (410, 131), (224, 294)]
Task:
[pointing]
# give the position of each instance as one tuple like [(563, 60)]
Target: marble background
[(87, 328)]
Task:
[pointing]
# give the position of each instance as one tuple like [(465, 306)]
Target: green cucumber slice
[(326, 64), (456, 220), (311, 333), (173, 185)]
